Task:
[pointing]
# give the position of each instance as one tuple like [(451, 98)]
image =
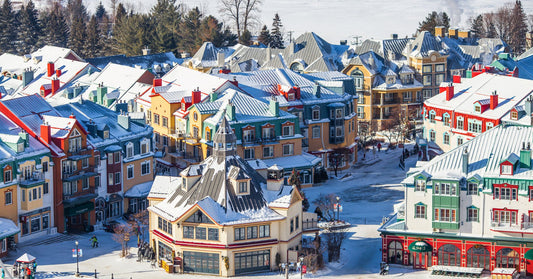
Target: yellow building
[(384, 89), (224, 218)]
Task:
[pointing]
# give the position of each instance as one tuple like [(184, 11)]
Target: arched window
[(446, 138), (395, 252), (449, 255), (460, 123), (432, 116), (446, 119), (507, 258), (432, 135), (358, 78), (478, 257), (297, 67)]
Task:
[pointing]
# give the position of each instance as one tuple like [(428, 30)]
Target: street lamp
[(338, 209), (77, 260), (301, 267)]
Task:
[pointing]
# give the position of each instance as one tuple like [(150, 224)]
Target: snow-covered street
[(367, 192)]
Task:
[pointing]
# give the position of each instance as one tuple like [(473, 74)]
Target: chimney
[(50, 68), (146, 51), (268, 54), (291, 47), (394, 36), (230, 111), (58, 72), (274, 178), (273, 106), (439, 31), (157, 82), (449, 91), (494, 100), (220, 58), (101, 91), (234, 81), (456, 79), (525, 156), (213, 96), (529, 105), (27, 77), (24, 136), (196, 96), (465, 161), (317, 90), (123, 120), (46, 133), (452, 33), (72, 116), (55, 85)]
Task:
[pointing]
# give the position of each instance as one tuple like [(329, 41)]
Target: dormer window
[(243, 187), (316, 113), (290, 97), (391, 79), (106, 134), (420, 186), (20, 147), (514, 115), (184, 183), (477, 108), (129, 150), (507, 169), (288, 130)]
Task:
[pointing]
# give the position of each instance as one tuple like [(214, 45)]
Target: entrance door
[(529, 267), (420, 260)]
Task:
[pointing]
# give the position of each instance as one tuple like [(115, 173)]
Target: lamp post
[(77, 260), (301, 267), (338, 209)]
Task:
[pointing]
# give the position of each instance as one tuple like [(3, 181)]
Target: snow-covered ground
[(368, 193)]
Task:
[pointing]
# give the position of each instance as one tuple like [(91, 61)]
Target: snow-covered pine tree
[(29, 29), (276, 35), (8, 28), (264, 36)]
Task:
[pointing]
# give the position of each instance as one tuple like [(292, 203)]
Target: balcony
[(523, 227), (178, 134), (309, 222), (85, 194), (79, 174), (36, 178)]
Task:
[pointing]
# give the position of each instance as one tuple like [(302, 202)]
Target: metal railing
[(311, 224), (90, 190)]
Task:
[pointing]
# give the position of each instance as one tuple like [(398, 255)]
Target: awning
[(420, 247), (79, 209), (26, 258), (529, 255)]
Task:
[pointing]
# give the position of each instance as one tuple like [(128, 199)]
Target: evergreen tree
[(8, 28), (190, 40), (518, 28), (429, 24), (476, 25), (56, 30), (131, 34), (264, 36), (246, 38), (120, 13), (491, 31), (211, 31), (276, 36), (29, 29), (100, 12), (92, 42), (166, 17), (77, 37), (444, 20)]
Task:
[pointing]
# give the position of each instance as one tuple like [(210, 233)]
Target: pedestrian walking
[(3, 273), (379, 146), (94, 241)]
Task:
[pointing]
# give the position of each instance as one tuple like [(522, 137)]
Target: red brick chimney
[(157, 82), (72, 116), (456, 79), (235, 81), (55, 85), (46, 133), (196, 96), (449, 92), (493, 100), (58, 73), (50, 68)]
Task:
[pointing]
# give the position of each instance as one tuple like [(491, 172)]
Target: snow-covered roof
[(140, 190), (510, 91), (163, 185), (7, 228), (294, 162)]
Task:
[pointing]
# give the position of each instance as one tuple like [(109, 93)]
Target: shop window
[(35, 224), (507, 258), (449, 255), (46, 221)]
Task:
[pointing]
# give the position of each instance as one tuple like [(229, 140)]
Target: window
[(110, 177), (316, 132), (248, 135), (297, 222), (195, 132), (188, 232), (460, 123), (251, 232), (8, 198), (45, 166), (264, 231), (505, 193), (97, 181), (165, 140), (507, 169), (426, 69), (426, 80), (165, 121), (45, 188), (74, 143), (477, 108), (450, 255), (268, 133), (459, 141), (85, 183), (444, 189), (407, 97), (157, 138), (489, 126), (439, 78), (432, 135), (472, 188), (240, 234), (145, 167), (339, 113), (35, 224), (316, 113), (439, 68), (504, 217), (106, 134), (130, 172), (420, 185), (109, 160), (212, 234), (446, 119), (46, 221), (24, 194), (514, 115), (117, 157), (268, 151), (288, 149), (472, 214), (288, 131), (144, 147), (358, 78), (201, 233), (249, 154), (164, 225), (446, 138), (474, 125), (243, 187), (420, 211), (7, 176), (129, 150), (156, 118), (445, 215), (431, 116), (20, 147), (85, 162), (292, 225)]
